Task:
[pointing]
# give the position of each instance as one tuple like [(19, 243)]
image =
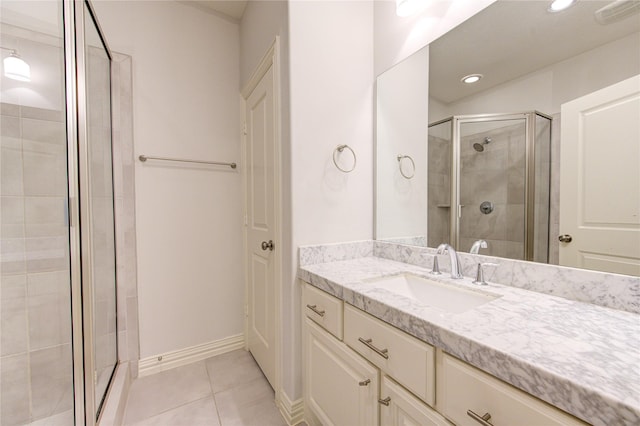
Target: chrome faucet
[(475, 248), (456, 269)]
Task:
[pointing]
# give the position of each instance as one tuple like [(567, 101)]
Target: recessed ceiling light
[(558, 5), (473, 78)]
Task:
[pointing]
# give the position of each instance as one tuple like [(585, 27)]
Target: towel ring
[(339, 149), (413, 165)]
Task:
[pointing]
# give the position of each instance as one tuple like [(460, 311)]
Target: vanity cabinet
[(343, 386), (411, 362), (400, 407), (360, 370), (466, 395)]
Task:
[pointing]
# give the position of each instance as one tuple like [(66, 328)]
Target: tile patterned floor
[(226, 390)]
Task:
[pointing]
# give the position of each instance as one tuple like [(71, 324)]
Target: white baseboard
[(292, 411), (169, 360)]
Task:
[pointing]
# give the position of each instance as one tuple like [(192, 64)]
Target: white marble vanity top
[(580, 357)]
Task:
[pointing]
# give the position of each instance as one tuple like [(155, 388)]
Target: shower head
[(480, 146)]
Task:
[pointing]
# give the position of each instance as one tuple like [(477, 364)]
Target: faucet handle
[(480, 274), (436, 269)]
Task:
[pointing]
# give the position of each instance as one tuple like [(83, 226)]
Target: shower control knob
[(486, 207), (565, 238), (267, 245)]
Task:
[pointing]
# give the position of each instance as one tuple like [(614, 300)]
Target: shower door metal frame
[(85, 409), (529, 187)]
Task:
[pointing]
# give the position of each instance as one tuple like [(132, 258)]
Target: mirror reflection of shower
[(501, 197), (480, 146)]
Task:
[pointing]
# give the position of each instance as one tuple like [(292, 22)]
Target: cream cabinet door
[(398, 407), (341, 388)]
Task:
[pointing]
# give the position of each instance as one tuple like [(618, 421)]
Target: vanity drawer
[(323, 309), (463, 389), (408, 360)]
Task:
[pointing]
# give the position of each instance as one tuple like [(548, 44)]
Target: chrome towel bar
[(144, 158)]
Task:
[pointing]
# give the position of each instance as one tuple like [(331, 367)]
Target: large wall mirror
[(539, 158)]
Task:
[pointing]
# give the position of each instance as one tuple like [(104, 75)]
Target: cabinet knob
[(483, 420), (365, 382), (385, 401), (267, 245)]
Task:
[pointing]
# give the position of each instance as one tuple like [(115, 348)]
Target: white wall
[(547, 89), (331, 55), (189, 235)]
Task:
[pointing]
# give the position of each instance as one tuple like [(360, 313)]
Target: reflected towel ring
[(413, 165), (339, 149)]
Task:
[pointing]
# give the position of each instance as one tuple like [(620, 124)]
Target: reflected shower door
[(492, 186), (439, 146), (98, 189)]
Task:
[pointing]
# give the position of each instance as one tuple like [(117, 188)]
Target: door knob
[(565, 238), (267, 245)]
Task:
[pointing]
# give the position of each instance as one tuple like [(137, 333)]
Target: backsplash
[(614, 291)]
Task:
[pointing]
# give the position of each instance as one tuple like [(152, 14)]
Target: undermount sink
[(448, 298)]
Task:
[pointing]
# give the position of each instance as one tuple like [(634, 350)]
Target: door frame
[(271, 59)]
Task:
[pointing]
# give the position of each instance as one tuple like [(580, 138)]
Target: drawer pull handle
[(365, 382), (385, 401), (483, 420), (367, 343), (314, 309)]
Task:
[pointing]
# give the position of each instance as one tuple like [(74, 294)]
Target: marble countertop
[(582, 358)]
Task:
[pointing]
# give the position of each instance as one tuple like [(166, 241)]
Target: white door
[(261, 244), (600, 180)]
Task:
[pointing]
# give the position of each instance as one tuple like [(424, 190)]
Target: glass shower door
[(36, 377), (439, 147), (97, 186), (492, 185)]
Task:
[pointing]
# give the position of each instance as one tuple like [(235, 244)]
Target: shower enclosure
[(489, 178), (58, 268)]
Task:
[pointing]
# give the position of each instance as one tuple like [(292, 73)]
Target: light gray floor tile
[(248, 404), (241, 395), (262, 412), (232, 369), (164, 391), (198, 413)]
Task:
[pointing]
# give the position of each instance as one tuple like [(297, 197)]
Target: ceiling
[(510, 39), (231, 8)]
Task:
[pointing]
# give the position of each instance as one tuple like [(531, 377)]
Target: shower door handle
[(565, 238)]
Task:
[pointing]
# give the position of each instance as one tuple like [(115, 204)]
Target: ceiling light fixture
[(406, 8), (558, 5), (471, 78), (15, 67)]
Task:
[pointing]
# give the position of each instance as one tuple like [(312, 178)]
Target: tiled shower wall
[(497, 175), (439, 194), (35, 327), (124, 193), (36, 320)]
